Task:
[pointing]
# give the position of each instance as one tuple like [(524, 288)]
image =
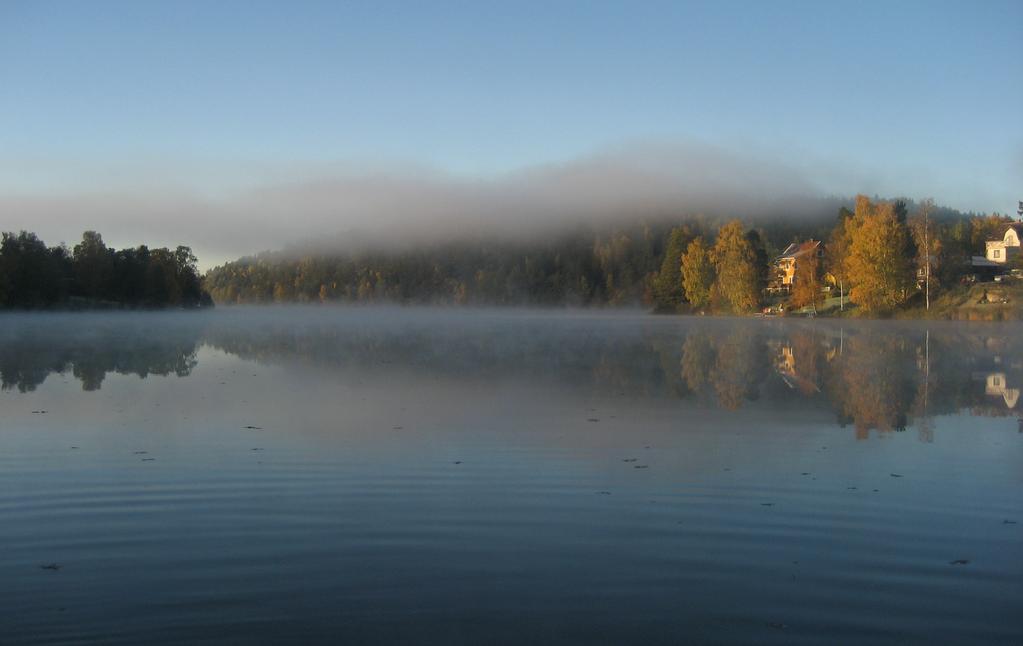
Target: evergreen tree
[(668, 290)]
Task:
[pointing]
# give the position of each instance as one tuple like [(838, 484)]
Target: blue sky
[(922, 98)]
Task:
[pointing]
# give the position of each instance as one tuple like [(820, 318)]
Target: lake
[(390, 475)]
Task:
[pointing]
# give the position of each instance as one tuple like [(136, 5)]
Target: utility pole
[(927, 259)]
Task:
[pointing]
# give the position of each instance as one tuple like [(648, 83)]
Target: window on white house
[(997, 253)]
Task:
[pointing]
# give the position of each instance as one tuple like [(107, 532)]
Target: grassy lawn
[(979, 302)]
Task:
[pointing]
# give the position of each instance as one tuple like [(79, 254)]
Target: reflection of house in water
[(1002, 384), (997, 385), (797, 377)]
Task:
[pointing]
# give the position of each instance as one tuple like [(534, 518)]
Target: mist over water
[(467, 476)]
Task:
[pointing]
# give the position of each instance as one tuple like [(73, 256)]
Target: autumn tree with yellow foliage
[(736, 264), (697, 273), (880, 273)]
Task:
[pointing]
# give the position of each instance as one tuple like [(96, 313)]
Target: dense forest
[(92, 275), (694, 263)]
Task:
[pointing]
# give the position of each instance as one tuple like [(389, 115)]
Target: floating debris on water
[(592, 419), (959, 562), (896, 475), (254, 428), (51, 566), (640, 466), (604, 493)]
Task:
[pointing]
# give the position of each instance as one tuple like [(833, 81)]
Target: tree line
[(877, 256), (34, 276), (873, 253)]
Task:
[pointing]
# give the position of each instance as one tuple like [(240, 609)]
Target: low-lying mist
[(344, 207)]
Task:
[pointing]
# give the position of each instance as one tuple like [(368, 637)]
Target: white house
[(1006, 249)]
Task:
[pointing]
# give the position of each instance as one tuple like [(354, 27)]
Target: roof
[(981, 261), (797, 249), (1015, 226)]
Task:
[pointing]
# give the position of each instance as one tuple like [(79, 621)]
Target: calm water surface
[(444, 477)]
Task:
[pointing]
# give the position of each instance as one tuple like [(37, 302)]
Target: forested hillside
[(589, 265), (640, 264)]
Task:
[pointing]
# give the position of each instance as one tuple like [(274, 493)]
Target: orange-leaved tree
[(806, 286), (878, 268)]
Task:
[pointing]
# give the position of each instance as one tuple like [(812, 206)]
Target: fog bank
[(344, 206)]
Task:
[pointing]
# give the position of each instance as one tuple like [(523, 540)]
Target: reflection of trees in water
[(697, 357), (31, 352), (888, 380), (878, 377), (729, 367), (610, 361), (873, 381), (739, 369), (875, 377)]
